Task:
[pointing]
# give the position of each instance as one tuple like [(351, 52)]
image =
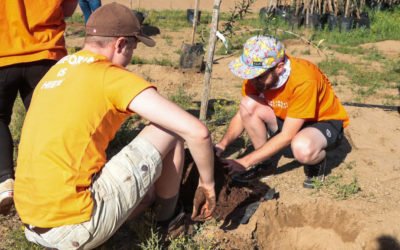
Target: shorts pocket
[(67, 237)]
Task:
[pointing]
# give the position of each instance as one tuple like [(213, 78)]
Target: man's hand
[(233, 166), (203, 204), (219, 149)]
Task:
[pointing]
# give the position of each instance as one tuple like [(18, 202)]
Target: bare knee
[(251, 106), (304, 150)]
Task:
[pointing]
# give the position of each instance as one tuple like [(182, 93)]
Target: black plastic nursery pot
[(363, 22), (190, 15), (314, 21), (345, 24), (140, 16), (332, 22), (263, 13), (295, 21), (192, 56)]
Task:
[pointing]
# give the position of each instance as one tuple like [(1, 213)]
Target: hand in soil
[(218, 150), (232, 166), (203, 204)]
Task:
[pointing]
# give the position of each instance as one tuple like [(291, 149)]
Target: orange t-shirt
[(307, 94), (31, 31), (76, 110)]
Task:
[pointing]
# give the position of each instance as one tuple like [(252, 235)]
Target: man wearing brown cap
[(66, 193)]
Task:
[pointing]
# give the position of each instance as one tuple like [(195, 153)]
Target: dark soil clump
[(232, 198)]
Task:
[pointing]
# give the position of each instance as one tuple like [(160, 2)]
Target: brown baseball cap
[(116, 20)]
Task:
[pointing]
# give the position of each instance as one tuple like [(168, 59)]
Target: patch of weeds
[(155, 61), (168, 19), (168, 39), (368, 91), (306, 52), (81, 33), (76, 18), (317, 184), (73, 50), (162, 62), (374, 55), (332, 66), (181, 98), (350, 165), (178, 51), (224, 110), (153, 242), (138, 60), (17, 120), (346, 190), (392, 74), (183, 242), (341, 190), (17, 237), (348, 50)]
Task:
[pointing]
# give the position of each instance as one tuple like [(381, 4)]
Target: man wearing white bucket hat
[(286, 101)]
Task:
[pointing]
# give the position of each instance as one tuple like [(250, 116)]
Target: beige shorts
[(116, 191)]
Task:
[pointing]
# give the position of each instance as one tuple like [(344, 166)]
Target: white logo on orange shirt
[(74, 59), (62, 72), (51, 84), (277, 103)]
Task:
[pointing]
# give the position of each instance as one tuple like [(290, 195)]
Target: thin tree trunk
[(196, 9), (210, 59), (336, 5), (346, 9), (298, 4)]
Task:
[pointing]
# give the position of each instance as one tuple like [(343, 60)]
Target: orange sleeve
[(121, 86), (303, 102)]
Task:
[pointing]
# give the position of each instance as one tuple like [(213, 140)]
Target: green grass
[(173, 20), (332, 66), (76, 18), (336, 187), (168, 39), (348, 50), (384, 26), (365, 81), (154, 61), (181, 98), (17, 119), (306, 52), (373, 54)]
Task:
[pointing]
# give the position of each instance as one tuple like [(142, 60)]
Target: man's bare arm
[(235, 129), (291, 127), (159, 110)]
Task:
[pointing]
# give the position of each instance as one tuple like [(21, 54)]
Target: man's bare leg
[(167, 186), (309, 145), (255, 113)]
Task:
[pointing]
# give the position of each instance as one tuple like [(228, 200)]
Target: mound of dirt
[(232, 197)]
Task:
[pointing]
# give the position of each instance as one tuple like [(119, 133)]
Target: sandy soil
[(300, 219)]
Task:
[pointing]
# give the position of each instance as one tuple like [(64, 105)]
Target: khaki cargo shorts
[(116, 191)]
